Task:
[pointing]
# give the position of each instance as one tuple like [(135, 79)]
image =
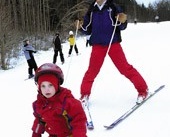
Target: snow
[(146, 46), (146, 2)]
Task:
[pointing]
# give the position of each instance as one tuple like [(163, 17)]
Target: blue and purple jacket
[(100, 24)]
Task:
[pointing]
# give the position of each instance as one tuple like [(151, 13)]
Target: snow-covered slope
[(146, 46)]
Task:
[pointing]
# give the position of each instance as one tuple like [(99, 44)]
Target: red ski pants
[(118, 58)]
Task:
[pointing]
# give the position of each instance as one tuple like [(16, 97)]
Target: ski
[(72, 55), (28, 78), (85, 105), (130, 111)]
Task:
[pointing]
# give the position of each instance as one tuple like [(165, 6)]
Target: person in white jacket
[(28, 52)]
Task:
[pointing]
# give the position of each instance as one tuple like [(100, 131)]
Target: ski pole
[(71, 56), (110, 43)]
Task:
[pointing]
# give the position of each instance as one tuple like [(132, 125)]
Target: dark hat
[(57, 33), (25, 40)]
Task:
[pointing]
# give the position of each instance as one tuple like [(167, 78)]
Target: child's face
[(47, 89), (27, 42)]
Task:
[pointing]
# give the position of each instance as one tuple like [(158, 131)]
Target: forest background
[(39, 20)]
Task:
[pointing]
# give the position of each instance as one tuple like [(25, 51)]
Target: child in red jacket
[(56, 111)]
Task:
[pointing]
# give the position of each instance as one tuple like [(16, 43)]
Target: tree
[(37, 19)]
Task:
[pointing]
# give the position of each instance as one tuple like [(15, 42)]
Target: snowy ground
[(146, 46)]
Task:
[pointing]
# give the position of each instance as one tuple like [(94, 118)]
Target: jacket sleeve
[(36, 135), (87, 27), (38, 125), (78, 117), (30, 49), (121, 26)]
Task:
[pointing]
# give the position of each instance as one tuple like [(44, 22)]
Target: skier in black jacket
[(57, 48)]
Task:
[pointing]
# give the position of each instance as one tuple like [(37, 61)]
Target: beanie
[(50, 78)]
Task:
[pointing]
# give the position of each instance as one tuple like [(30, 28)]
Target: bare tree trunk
[(14, 13), (5, 27)]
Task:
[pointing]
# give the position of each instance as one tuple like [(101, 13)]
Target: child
[(56, 111), (72, 43), (28, 52), (57, 49)]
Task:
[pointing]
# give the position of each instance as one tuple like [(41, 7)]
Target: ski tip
[(90, 128), (162, 86), (28, 78), (108, 127)]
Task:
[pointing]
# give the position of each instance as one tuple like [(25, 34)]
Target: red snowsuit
[(60, 116)]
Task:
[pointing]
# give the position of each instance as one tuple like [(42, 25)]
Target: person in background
[(99, 22), (135, 21), (72, 42), (28, 52), (157, 18), (57, 48), (56, 111)]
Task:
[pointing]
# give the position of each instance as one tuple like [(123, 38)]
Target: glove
[(78, 23), (122, 17)]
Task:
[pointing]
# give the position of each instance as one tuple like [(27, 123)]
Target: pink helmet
[(49, 68)]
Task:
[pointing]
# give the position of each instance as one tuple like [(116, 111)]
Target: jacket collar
[(100, 6)]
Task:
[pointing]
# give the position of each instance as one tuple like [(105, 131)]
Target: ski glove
[(122, 17), (78, 23)]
